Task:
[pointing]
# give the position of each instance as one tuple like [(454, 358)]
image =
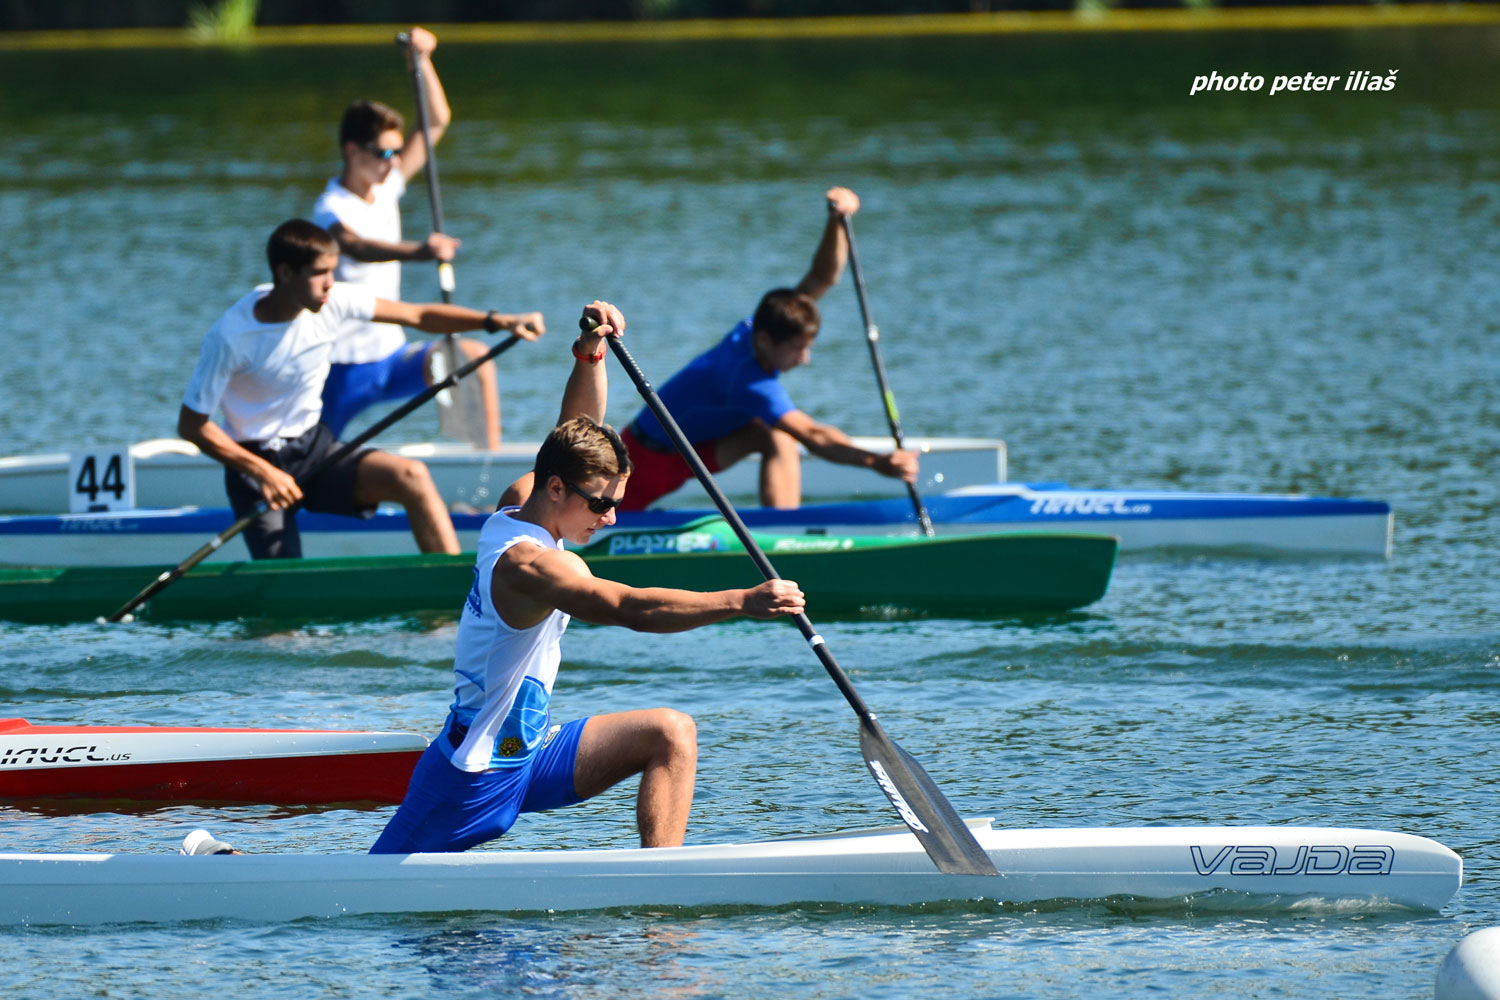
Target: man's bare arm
[(439, 115), (438, 317), (535, 579), (833, 247), (279, 489), (833, 445), (587, 391), (435, 247)]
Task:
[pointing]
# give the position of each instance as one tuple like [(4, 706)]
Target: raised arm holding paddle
[(499, 754), (373, 362), (732, 402), (917, 799)]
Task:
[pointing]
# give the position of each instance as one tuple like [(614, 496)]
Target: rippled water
[(1132, 287)]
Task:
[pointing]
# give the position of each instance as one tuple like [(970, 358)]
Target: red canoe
[(174, 763)]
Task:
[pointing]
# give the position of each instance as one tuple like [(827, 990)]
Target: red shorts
[(657, 473)]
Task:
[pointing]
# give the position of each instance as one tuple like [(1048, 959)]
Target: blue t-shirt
[(718, 392)]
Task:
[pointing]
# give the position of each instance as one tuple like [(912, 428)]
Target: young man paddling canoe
[(730, 402), (498, 754), (372, 362), (265, 360)]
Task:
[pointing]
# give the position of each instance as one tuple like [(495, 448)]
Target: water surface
[(1131, 286)]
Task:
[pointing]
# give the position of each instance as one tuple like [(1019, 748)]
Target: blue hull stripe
[(1039, 509)]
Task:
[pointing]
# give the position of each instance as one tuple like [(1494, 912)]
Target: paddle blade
[(922, 805)]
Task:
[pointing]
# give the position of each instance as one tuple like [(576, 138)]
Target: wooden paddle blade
[(922, 805)]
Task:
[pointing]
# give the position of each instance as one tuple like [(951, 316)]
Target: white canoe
[(1245, 524), (1255, 868), (172, 473)]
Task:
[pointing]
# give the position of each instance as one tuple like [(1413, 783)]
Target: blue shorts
[(352, 388), (446, 809)]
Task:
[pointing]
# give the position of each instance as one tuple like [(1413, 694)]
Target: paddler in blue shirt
[(731, 404), (499, 754)]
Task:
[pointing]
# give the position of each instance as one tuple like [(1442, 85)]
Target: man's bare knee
[(759, 437), (412, 480), (781, 442), (676, 733)]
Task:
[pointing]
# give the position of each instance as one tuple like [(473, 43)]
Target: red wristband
[(592, 359)]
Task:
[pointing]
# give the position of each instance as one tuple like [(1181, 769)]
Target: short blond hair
[(579, 449)]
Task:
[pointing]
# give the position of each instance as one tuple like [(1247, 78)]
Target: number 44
[(102, 480)]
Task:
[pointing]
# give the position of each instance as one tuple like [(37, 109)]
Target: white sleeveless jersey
[(502, 676)]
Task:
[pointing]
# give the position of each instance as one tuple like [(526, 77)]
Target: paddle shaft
[(804, 624), (434, 196), (872, 338), (917, 799), (214, 544)]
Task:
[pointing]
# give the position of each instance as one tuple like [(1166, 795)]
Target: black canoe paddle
[(213, 544), (446, 282), (917, 798), (452, 418), (872, 337)]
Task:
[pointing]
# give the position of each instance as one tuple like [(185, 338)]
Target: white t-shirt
[(379, 219), (502, 676), (269, 376)]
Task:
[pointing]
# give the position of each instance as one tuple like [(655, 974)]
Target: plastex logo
[(651, 544)]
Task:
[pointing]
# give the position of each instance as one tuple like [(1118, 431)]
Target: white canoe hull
[(1142, 520), (172, 473), (1236, 867)]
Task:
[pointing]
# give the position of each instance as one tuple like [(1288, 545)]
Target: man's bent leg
[(659, 744), (381, 476), (446, 809), (780, 462), (481, 381)]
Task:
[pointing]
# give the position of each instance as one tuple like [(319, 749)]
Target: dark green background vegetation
[(51, 14)]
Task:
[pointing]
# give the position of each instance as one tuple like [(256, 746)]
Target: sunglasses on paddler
[(379, 152), (597, 505)]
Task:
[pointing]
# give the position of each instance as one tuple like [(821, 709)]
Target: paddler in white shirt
[(264, 362), (372, 361), (499, 754)]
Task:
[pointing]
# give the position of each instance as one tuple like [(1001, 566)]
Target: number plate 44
[(101, 479)]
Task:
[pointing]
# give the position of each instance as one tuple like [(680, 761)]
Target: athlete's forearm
[(662, 609), (378, 251), (587, 391), (439, 115), (833, 445), (828, 260), (440, 317), (213, 441)]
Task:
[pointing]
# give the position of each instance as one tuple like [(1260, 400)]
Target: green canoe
[(962, 575)]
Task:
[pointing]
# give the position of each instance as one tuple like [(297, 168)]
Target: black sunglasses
[(597, 505), (380, 152)]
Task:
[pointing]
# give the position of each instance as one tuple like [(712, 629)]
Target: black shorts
[(274, 534)]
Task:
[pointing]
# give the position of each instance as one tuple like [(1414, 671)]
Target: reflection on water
[(553, 958)]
